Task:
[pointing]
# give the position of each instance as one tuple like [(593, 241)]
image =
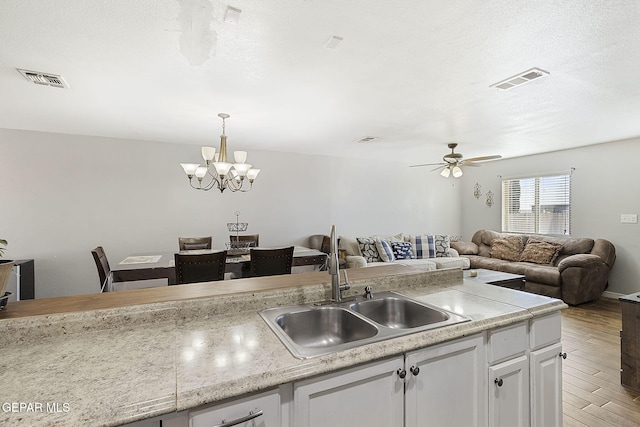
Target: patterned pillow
[(540, 252), (423, 246), (442, 245), (385, 251), (368, 249), (402, 250), (508, 248)]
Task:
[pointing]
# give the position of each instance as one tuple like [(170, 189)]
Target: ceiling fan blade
[(439, 167), (482, 158), (427, 164)]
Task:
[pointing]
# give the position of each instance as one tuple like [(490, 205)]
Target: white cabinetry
[(508, 376), (525, 374), (546, 371), (268, 409), (445, 385), (509, 393), (370, 395)]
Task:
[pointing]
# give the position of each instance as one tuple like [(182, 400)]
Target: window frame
[(536, 224)]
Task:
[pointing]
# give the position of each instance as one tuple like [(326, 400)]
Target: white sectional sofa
[(428, 252)]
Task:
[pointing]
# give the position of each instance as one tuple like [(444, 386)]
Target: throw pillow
[(368, 249), (508, 248), (540, 252), (385, 251), (442, 244), (423, 246), (402, 250)]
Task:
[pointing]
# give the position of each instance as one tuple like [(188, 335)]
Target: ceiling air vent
[(520, 79), (366, 139), (45, 79)]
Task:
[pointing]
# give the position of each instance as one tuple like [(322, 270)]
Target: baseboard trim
[(612, 295)]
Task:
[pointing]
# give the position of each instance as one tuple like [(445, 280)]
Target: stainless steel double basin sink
[(311, 330)]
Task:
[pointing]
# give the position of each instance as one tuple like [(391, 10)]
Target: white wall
[(605, 184), (63, 195)]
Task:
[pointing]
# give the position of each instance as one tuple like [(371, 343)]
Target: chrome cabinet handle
[(402, 373), (251, 416), (498, 382), (414, 370), (563, 355)]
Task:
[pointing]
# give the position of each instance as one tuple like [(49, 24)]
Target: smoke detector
[(520, 79), (44, 79)]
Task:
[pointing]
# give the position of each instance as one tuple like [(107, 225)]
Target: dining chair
[(195, 268), (250, 240), (194, 243), (320, 242), (102, 264), (104, 273), (269, 262)]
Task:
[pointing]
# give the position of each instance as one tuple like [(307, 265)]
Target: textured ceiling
[(415, 73)]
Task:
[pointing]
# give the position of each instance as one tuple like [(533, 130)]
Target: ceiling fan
[(452, 163)]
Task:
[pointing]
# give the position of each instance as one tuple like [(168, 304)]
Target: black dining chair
[(248, 240), (194, 243), (269, 262), (195, 268), (103, 267)]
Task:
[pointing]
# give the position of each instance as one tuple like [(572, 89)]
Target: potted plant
[(5, 273)]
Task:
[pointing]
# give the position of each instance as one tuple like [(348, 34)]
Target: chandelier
[(217, 172)]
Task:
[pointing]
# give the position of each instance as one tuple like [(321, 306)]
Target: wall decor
[(477, 190), (489, 198)]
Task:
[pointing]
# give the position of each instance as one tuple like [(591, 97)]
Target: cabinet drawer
[(545, 330), (268, 402), (507, 342)]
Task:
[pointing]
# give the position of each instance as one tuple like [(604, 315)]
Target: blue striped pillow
[(423, 246), (385, 251)]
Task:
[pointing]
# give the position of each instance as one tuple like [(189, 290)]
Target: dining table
[(161, 265)]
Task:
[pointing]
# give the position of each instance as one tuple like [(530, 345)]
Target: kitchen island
[(114, 359)]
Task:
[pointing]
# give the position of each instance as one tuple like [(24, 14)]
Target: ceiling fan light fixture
[(457, 172), (445, 172)]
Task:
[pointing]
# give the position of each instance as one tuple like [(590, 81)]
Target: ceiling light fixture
[(218, 172), (520, 79)]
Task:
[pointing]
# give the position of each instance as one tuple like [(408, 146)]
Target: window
[(540, 205)]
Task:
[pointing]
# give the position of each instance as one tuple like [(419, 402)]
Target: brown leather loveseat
[(573, 269)]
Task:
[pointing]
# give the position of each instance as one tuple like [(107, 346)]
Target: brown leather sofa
[(573, 269)]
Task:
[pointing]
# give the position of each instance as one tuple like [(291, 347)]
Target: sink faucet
[(334, 269)]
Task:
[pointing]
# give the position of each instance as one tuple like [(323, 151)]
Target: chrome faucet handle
[(368, 294), (346, 285)]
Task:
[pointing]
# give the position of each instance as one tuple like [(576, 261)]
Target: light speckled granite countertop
[(109, 367)]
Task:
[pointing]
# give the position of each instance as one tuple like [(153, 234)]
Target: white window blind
[(540, 205)]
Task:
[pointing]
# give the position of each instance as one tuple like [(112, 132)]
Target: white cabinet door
[(370, 395), (509, 393), (261, 410), (546, 386), (450, 386)]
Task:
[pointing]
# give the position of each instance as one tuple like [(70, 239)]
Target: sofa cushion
[(402, 250), (442, 243), (385, 251), (349, 245), (508, 248), (423, 246), (368, 249), (465, 248), (545, 274), (452, 262), (539, 252)]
